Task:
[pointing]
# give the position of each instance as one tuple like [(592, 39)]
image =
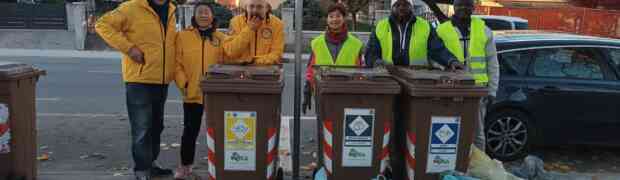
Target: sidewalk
[(48, 53), (94, 175)]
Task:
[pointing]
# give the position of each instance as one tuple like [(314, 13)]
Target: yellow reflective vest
[(476, 61)]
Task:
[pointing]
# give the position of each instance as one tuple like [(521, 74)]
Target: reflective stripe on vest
[(347, 56), (418, 48), (477, 47)]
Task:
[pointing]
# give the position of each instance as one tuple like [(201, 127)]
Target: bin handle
[(446, 81)]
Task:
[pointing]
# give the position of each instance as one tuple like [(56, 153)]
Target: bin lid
[(243, 79), (434, 82), (355, 80), (14, 70)]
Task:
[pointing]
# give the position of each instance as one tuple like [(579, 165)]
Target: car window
[(615, 56), (495, 24), (571, 63), (514, 63), (521, 25)]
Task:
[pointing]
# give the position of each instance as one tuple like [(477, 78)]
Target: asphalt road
[(77, 86)]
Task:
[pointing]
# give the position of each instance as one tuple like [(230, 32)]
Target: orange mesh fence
[(595, 22)]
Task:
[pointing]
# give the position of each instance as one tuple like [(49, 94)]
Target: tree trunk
[(354, 26), (436, 11)]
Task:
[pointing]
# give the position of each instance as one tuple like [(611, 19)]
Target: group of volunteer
[(154, 54)]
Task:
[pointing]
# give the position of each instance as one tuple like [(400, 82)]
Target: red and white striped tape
[(410, 155), (211, 153), (385, 151), (327, 141), (272, 153)]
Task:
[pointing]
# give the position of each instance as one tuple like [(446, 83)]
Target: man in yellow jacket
[(144, 32), (257, 36)]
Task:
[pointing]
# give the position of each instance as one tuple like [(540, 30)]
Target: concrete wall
[(36, 39)]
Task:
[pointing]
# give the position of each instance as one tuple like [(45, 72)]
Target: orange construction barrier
[(586, 21)]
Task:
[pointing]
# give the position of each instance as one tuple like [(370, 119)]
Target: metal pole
[(299, 7)]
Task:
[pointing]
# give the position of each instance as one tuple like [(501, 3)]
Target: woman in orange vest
[(336, 47), (197, 48)]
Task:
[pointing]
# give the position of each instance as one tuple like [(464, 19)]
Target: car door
[(613, 54), (570, 94)]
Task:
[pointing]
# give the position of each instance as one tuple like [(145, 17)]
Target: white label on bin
[(240, 141), (443, 148), (358, 137), (5, 130)]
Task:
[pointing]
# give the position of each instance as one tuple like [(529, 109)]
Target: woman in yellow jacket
[(197, 48)]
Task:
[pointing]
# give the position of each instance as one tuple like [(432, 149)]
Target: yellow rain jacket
[(135, 23), (194, 56), (264, 46)]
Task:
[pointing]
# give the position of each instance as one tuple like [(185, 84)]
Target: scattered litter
[(309, 167), (164, 146), (483, 167), (43, 157), (118, 174), (82, 157), (97, 156)]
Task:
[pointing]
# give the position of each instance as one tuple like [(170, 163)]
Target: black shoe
[(142, 175), (157, 171), (143, 178)]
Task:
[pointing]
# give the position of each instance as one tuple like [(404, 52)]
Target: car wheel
[(508, 135)]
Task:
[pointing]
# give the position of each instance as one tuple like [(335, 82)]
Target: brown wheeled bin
[(354, 121), (18, 135), (242, 106), (439, 110)]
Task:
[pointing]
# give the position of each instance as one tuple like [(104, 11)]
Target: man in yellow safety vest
[(472, 43), (404, 39)]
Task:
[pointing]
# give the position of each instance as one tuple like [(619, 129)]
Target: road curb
[(51, 53)]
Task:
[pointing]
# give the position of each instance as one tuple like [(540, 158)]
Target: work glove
[(307, 104), (456, 65)]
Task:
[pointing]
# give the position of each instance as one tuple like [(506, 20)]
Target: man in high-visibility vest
[(471, 41), (404, 39)]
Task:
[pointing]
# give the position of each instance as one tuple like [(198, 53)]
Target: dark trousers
[(145, 105), (192, 118)]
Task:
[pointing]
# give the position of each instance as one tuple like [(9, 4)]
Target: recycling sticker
[(358, 141), (5, 130), (443, 148), (240, 141)]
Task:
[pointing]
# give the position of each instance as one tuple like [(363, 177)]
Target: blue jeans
[(145, 105)]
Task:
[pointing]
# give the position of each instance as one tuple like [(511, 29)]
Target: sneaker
[(140, 175), (183, 172), (157, 171), (143, 178)]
